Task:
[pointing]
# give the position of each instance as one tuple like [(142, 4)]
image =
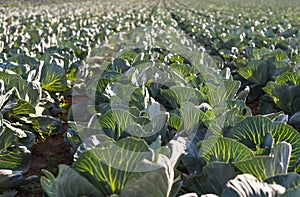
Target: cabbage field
[(149, 98)]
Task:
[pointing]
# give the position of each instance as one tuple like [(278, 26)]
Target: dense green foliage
[(165, 85)]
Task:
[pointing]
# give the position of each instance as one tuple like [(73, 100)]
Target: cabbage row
[(41, 49), (258, 45), (160, 93)]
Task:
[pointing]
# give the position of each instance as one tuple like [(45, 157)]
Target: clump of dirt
[(45, 154)]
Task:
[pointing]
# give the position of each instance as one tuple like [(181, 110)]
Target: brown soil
[(46, 154)]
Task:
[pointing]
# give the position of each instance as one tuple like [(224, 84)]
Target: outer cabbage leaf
[(212, 179), (157, 182), (25, 90), (12, 179), (264, 167), (67, 183), (53, 78), (224, 150), (248, 185), (253, 130), (110, 167)]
